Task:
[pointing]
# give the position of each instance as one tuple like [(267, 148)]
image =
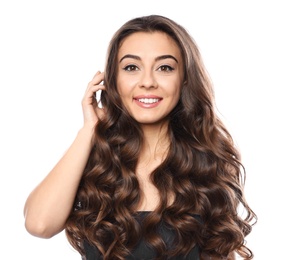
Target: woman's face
[(150, 76)]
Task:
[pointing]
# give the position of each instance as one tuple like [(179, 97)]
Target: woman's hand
[(91, 111), (48, 207)]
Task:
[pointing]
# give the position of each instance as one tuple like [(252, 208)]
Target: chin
[(151, 122)]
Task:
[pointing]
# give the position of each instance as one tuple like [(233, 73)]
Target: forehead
[(149, 43)]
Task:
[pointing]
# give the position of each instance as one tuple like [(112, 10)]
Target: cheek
[(124, 87), (175, 92), (120, 87), (177, 95)]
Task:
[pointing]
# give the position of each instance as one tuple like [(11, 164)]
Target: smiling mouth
[(148, 100)]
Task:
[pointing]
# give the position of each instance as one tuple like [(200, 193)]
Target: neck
[(156, 141)]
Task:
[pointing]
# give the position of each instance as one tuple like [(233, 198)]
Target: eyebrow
[(162, 57)]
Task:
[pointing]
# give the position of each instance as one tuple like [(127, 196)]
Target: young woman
[(153, 173)]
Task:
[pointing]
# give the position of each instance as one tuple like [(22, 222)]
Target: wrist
[(87, 133)]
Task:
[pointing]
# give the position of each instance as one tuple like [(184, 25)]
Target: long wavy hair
[(203, 169)]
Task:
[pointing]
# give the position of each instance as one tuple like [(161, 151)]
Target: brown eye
[(165, 68), (130, 68)]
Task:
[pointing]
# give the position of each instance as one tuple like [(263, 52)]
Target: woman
[(153, 173)]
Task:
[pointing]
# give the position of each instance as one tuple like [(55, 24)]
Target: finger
[(90, 95), (97, 80), (93, 89), (98, 72)]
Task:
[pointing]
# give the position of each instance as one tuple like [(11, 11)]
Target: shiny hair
[(203, 169)]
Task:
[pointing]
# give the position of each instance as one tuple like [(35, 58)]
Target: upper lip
[(147, 96)]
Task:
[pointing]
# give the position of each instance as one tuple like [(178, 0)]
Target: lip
[(147, 105)]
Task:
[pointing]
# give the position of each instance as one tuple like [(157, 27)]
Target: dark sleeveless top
[(142, 251)]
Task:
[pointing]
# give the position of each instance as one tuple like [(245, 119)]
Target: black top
[(142, 251)]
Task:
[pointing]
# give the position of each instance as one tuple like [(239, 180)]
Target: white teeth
[(148, 100)]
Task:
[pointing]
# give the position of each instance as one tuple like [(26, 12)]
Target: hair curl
[(202, 168)]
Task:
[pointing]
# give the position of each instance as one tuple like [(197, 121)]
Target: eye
[(130, 67), (165, 68)]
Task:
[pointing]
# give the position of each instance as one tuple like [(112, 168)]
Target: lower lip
[(147, 105)]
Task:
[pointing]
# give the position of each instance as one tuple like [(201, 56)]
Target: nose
[(148, 80)]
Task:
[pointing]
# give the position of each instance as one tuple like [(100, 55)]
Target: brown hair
[(202, 169)]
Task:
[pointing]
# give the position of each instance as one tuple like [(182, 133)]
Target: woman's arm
[(49, 204)]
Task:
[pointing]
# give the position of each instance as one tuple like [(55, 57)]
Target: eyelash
[(130, 68), (164, 68)]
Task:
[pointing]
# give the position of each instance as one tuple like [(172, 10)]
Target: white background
[(49, 50)]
